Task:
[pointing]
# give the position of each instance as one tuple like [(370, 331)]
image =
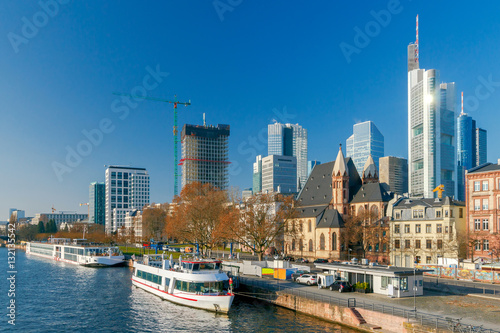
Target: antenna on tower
[(416, 44), (462, 103), (204, 122)]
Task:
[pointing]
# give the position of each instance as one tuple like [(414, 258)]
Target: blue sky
[(254, 62)]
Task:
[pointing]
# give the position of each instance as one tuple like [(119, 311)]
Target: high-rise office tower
[(289, 140), (97, 203), (471, 148), (481, 146), (18, 213), (205, 155), (126, 189), (257, 175), (279, 174), (394, 172), (431, 129), (365, 140), (311, 165)]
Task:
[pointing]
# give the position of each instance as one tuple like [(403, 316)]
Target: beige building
[(394, 172), (423, 230)]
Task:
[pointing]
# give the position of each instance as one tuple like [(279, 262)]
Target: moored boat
[(77, 251), (199, 283)]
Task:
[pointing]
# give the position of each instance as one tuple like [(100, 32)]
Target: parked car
[(321, 261), (308, 279), (298, 274), (341, 286), (305, 261), (288, 258)]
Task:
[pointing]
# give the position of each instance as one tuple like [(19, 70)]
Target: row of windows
[(428, 228), (151, 277), (418, 244), (485, 245), (73, 250), (477, 224), (419, 213), (200, 287)]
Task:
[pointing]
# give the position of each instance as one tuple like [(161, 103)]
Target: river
[(52, 296)]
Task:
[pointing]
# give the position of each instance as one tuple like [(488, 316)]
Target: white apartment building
[(127, 189)]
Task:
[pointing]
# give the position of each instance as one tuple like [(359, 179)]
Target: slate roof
[(485, 168), (372, 192), (408, 203), (330, 219)]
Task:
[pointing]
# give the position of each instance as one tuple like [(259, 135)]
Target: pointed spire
[(370, 169), (416, 45), (462, 104), (340, 166)]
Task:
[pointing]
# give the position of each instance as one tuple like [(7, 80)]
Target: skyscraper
[(311, 165), (205, 155), (471, 149), (394, 172), (431, 129), (97, 203), (365, 140), (279, 174), (126, 189), (481, 146), (257, 175), (290, 140)]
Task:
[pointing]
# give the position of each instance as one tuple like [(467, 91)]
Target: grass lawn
[(139, 251)]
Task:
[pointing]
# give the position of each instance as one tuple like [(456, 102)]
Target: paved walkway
[(473, 310)]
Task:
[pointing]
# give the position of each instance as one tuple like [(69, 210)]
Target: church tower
[(370, 173), (340, 185)]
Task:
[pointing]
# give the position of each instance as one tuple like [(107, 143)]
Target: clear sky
[(242, 62)]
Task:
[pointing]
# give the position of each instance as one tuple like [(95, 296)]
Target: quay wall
[(335, 313)]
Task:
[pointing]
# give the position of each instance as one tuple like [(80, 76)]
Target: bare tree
[(264, 220), (153, 222)]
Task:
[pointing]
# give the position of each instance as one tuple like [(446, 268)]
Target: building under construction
[(205, 155)]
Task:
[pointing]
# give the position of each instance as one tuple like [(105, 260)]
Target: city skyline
[(59, 84)]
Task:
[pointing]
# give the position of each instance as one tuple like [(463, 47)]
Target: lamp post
[(415, 286)]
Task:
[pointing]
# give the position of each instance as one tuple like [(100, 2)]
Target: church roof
[(370, 169), (340, 166), (330, 219), (372, 192)]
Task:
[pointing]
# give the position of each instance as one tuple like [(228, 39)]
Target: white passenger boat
[(77, 251), (198, 283)]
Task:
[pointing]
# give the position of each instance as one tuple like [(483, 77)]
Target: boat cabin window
[(210, 265), (196, 267), (200, 287)]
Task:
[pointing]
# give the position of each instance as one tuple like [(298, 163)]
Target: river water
[(58, 297)]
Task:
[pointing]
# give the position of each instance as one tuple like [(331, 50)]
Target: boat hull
[(219, 304)]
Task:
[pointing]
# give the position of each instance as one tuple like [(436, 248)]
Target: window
[(407, 244), (404, 283), (439, 228), (485, 204), (396, 228), (428, 244), (396, 244), (428, 228), (293, 244), (477, 186), (398, 215), (418, 228), (417, 244), (485, 185), (440, 244), (451, 229), (322, 242), (477, 204), (486, 224), (461, 213), (418, 259), (309, 225), (446, 229), (478, 246), (385, 282), (428, 260), (486, 245), (113, 175), (301, 244), (334, 241), (418, 213), (477, 224), (438, 213), (407, 228), (310, 245), (446, 213)]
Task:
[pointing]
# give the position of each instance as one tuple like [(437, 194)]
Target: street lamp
[(415, 286)]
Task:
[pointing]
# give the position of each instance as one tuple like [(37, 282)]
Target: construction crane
[(88, 210), (176, 138), (439, 190)]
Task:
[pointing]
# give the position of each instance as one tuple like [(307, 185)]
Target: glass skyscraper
[(471, 149), (290, 140), (366, 140), (97, 203), (257, 175)]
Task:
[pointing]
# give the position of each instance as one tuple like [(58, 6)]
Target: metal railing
[(424, 319)]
